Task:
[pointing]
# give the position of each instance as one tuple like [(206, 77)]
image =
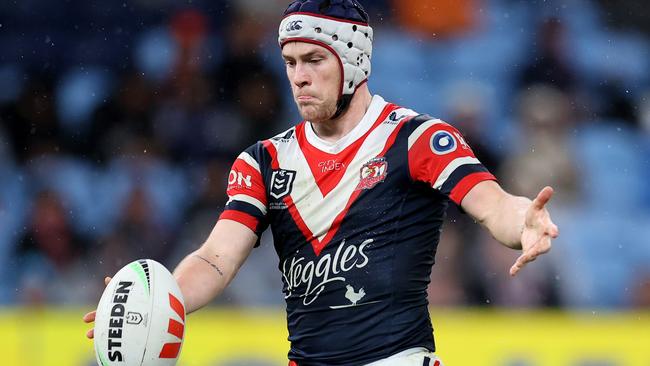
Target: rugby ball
[(140, 318)]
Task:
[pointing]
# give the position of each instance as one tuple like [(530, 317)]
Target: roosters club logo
[(373, 173)]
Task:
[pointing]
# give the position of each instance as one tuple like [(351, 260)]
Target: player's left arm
[(516, 222)]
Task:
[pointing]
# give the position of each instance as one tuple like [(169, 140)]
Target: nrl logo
[(282, 182), (372, 173)]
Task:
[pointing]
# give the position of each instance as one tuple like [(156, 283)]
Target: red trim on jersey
[(293, 211), (325, 17), (424, 164), (326, 46), (467, 183), (241, 217), (320, 245), (257, 189), (328, 180)]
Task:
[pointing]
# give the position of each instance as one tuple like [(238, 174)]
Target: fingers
[(543, 197), (553, 231), (543, 246), (90, 317), (520, 263)]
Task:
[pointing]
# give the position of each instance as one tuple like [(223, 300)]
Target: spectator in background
[(209, 182), (461, 275), (549, 62), (136, 235), (546, 117), (641, 291), (31, 122), (122, 119), (436, 19), (246, 80), (51, 256)]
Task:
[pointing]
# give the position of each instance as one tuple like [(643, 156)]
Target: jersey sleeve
[(439, 155), (247, 202)]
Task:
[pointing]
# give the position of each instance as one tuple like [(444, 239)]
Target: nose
[(301, 75)]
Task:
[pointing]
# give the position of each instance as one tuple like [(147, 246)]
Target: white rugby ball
[(140, 318)]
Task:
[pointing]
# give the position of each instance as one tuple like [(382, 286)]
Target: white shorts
[(411, 357)]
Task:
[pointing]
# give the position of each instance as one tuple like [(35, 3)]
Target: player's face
[(315, 79)]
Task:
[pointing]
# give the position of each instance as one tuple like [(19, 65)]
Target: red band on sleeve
[(241, 217), (466, 184), (425, 165), (244, 179)]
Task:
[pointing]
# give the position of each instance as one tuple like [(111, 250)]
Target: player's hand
[(90, 317), (538, 231)]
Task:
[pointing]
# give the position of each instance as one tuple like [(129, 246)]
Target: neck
[(334, 129)]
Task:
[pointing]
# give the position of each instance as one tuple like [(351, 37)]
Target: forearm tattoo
[(210, 263)]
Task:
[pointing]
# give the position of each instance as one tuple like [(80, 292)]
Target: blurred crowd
[(119, 122)]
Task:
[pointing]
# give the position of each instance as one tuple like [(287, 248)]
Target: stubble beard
[(320, 112)]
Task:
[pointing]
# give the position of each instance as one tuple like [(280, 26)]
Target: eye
[(289, 63), (315, 60)]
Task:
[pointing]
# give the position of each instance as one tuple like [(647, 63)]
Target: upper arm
[(244, 217), (230, 241), (483, 200), (439, 155)]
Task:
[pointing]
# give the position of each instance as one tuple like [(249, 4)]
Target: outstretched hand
[(538, 231), (90, 317)]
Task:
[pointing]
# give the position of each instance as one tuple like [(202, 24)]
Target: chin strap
[(342, 105)]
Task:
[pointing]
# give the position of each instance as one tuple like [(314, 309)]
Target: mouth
[(305, 98)]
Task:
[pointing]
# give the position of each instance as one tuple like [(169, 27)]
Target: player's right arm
[(207, 271)]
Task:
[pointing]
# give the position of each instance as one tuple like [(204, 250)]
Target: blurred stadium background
[(119, 121)]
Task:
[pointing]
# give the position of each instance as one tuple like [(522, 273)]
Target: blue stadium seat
[(602, 253), (612, 159)]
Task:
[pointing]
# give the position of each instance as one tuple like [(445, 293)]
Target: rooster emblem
[(353, 296)]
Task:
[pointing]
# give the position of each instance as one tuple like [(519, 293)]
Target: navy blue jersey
[(355, 224)]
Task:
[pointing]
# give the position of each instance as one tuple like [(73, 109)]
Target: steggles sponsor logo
[(316, 275)]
